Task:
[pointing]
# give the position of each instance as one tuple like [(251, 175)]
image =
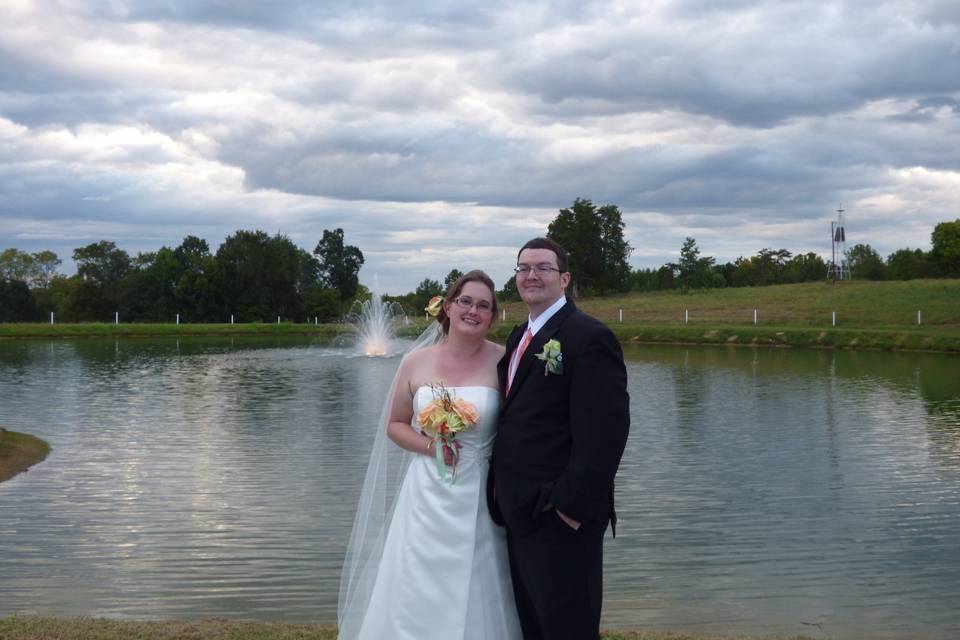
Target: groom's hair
[(563, 261), (471, 276)]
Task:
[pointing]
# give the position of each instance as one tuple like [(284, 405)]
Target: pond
[(762, 490)]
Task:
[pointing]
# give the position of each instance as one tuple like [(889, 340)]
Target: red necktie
[(527, 337)]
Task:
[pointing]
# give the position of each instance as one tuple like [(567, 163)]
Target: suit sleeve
[(599, 423)]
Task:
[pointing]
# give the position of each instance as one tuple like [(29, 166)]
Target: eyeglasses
[(466, 302), (524, 270)]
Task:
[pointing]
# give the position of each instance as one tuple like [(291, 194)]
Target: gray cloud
[(444, 134)]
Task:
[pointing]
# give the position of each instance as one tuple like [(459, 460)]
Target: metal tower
[(839, 266)]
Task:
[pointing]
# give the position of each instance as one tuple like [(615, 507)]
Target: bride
[(431, 563)]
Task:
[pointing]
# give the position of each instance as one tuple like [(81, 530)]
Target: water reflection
[(769, 495), (761, 489)]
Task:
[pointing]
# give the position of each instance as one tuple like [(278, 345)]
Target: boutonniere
[(553, 358)]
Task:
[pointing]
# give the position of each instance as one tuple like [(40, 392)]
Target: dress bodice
[(478, 440)]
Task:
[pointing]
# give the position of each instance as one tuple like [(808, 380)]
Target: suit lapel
[(529, 357)]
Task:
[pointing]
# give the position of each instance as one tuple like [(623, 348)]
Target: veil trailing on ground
[(385, 472)]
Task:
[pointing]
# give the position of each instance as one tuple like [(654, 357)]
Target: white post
[(503, 314), (754, 316), (278, 319), (621, 316), (51, 317), (833, 318), (919, 317), (316, 320), (686, 316), (178, 318), (231, 318), (116, 317)]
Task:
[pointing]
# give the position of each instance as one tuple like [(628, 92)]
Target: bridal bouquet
[(442, 419)]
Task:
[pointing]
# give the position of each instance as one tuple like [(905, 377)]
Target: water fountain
[(376, 325)]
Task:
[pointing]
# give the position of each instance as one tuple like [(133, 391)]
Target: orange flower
[(467, 411)]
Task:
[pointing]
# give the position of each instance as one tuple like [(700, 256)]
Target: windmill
[(838, 245)]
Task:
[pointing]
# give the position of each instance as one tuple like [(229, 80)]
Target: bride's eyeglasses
[(465, 302)]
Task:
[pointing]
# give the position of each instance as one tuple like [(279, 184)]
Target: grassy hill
[(881, 315), (859, 304)]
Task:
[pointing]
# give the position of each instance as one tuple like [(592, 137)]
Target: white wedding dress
[(444, 572)]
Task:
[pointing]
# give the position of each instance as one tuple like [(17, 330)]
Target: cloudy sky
[(442, 134)]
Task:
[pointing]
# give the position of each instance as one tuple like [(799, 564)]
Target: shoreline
[(883, 339), (47, 628), (19, 452)]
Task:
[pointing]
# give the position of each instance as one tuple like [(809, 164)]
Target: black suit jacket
[(560, 436)]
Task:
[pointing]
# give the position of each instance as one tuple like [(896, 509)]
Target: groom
[(562, 429)]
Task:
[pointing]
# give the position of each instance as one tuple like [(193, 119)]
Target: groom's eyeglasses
[(465, 302), (524, 270)]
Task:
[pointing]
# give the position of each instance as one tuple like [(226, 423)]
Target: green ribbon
[(438, 444)]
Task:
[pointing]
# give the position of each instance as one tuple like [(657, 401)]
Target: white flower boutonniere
[(553, 358)]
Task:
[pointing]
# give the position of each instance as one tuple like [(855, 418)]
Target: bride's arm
[(401, 415)]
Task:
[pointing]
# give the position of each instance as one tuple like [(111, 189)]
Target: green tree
[(598, 251), (101, 268), (509, 293), (322, 303), (908, 264), (150, 288), (453, 276), (665, 278), (194, 293), (426, 290), (285, 277), (243, 277), (16, 265), (770, 264), (725, 272), (35, 269), (644, 280), (693, 271), (805, 267), (865, 263), (946, 248), (615, 250), (744, 272), (56, 297), (16, 303), (339, 264)]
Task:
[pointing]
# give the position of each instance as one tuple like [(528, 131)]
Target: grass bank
[(32, 628), (868, 315), (147, 330), (19, 452)]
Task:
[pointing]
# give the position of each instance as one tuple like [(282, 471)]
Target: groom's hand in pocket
[(567, 520)]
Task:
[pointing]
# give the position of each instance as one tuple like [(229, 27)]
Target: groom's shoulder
[(584, 324), (581, 318)]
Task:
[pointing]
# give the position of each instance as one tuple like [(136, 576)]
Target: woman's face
[(471, 310)]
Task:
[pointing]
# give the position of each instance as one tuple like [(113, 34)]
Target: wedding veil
[(385, 472)]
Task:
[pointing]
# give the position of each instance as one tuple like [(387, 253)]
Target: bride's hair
[(471, 276)]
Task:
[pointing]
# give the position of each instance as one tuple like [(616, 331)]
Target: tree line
[(599, 257), (780, 266), (252, 277), (257, 277)]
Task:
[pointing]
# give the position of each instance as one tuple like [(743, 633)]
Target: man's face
[(540, 289)]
